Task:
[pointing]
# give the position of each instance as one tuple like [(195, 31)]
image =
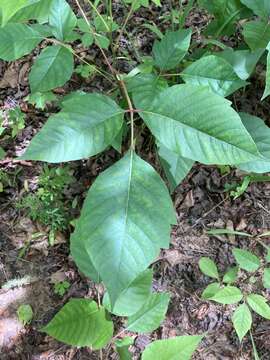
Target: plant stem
[(99, 71), (94, 35), (124, 91), (124, 25), (121, 84), (98, 14)]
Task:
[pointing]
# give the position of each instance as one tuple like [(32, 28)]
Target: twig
[(114, 72), (14, 161), (208, 212)]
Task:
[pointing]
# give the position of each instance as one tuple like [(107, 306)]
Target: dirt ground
[(201, 203)]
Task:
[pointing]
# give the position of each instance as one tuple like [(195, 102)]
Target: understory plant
[(47, 204), (239, 286), (178, 93)]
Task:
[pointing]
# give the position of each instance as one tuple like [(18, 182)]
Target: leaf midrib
[(205, 133), (126, 210)]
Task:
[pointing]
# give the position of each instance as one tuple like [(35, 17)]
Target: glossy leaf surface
[(17, 40), (151, 314), (259, 304), (197, 124), (130, 221), (242, 320), (62, 19), (181, 347), (228, 295), (257, 34), (86, 126), (133, 297), (260, 133), (246, 260), (176, 167), (170, 50), (215, 73), (81, 323), (52, 68)]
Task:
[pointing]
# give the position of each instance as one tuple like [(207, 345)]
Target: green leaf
[(40, 100), (102, 41), (242, 320), (130, 221), (78, 131), (117, 141), (122, 347), (105, 23), (231, 275), (25, 314), (181, 347), (260, 133), (256, 34), (85, 70), (259, 304), (242, 61), (208, 267), (175, 166), (52, 68), (246, 260), (84, 263), (228, 295), (87, 40), (266, 278), (144, 87), (81, 322), (43, 30), (17, 40), (226, 13), (259, 7), (197, 124), (34, 11), (267, 78), (136, 4), (210, 291), (62, 19), (151, 314), (171, 49), (8, 8), (133, 297), (215, 73), (2, 153)]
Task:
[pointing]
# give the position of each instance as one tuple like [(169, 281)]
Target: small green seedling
[(16, 119), (224, 292), (25, 314), (40, 100), (60, 288), (239, 191)]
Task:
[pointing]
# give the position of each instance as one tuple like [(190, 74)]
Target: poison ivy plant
[(174, 97)]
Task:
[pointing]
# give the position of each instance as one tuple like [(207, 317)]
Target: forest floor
[(201, 203)]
